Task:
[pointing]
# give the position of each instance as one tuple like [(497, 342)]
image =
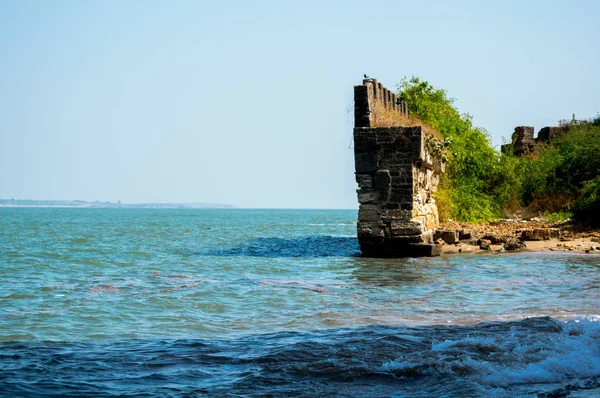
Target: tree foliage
[(587, 207), (558, 176), (480, 182), (470, 187)]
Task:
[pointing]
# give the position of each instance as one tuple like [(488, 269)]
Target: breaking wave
[(535, 356)]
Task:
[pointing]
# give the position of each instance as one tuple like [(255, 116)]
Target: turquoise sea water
[(143, 302)]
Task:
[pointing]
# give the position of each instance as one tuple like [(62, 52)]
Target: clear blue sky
[(250, 102)]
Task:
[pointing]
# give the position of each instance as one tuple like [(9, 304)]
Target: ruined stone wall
[(547, 134), (523, 142), (370, 93), (397, 175)]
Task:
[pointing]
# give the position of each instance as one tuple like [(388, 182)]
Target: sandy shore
[(576, 238)]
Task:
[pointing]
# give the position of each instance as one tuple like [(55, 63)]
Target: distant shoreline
[(113, 207), (26, 203)]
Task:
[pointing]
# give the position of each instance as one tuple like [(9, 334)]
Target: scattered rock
[(484, 244), (513, 244), (539, 233), (494, 238), (450, 236), (471, 242), (467, 234)]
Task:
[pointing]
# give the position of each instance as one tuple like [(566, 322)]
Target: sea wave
[(535, 356)]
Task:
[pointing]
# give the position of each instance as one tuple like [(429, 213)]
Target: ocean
[(270, 303)]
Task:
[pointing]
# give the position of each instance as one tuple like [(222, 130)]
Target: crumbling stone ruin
[(523, 143), (397, 171)]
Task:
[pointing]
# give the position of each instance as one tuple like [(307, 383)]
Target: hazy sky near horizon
[(249, 103)]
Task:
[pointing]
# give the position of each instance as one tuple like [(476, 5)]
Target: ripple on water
[(259, 303)]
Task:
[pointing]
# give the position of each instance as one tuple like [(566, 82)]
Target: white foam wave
[(568, 354)]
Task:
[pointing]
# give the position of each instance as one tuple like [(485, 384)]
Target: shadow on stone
[(303, 246)]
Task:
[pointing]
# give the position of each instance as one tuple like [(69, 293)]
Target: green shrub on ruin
[(481, 184), (558, 174), (476, 185)]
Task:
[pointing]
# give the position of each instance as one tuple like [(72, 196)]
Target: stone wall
[(365, 97), (523, 142), (397, 175)]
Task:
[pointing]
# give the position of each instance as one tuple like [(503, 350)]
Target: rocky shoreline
[(517, 235)]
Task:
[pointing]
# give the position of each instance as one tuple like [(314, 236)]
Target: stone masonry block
[(449, 236), (382, 182), (368, 213), (402, 227), (365, 162), (364, 139), (365, 181), (370, 229), (366, 196)]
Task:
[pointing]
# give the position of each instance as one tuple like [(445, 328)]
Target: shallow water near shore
[(143, 302)]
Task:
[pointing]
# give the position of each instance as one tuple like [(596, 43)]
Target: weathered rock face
[(396, 177)]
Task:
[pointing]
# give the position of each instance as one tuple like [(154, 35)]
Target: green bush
[(558, 216), (478, 181), (557, 175), (587, 207), (579, 148)]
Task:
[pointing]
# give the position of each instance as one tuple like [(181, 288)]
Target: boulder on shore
[(450, 236), (495, 238), (467, 234), (539, 233), (514, 245), (484, 244)]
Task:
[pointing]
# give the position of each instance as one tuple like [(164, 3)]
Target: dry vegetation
[(383, 117)]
